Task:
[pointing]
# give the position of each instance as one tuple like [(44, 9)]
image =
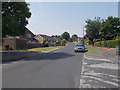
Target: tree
[(15, 17), (65, 36), (110, 28), (93, 28), (56, 36), (106, 29), (74, 37)]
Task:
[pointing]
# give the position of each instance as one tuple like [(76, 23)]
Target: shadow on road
[(43, 56), (81, 51), (50, 56)]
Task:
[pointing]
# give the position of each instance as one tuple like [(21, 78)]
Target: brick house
[(79, 39), (29, 36), (45, 39), (21, 42), (58, 40)]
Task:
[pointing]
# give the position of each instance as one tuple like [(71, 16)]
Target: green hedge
[(109, 43), (86, 42)]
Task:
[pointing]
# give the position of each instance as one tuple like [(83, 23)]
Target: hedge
[(86, 42), (109, 43)]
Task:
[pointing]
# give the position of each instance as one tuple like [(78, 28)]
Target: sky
[(54, 18)]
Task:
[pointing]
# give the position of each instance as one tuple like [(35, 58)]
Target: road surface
[(58, 69)]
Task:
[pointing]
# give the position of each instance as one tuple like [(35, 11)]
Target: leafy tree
[(70, 39), (65, 36), (56, 36), (93, 28), (110, 28), (74, 37), (106, 29), (15, 17)]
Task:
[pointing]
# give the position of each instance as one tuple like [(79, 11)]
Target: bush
[(86, 42), (109, 43), (113, 43), (45, 45)]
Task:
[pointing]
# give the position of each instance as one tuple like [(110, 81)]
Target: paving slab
[(100, 70)]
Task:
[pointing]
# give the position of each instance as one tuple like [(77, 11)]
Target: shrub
[(45, 45), (86, 42), (109, 43)]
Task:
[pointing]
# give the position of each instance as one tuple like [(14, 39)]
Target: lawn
[(44, 48), (92, 50), (74, 42)]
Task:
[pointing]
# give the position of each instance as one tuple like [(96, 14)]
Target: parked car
[(79, 48)]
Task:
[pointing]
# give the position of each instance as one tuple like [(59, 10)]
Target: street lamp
[(83, 33), (83, 30)]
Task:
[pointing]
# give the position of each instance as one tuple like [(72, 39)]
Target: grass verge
[(92, 50), (74, 42), (43, 48)]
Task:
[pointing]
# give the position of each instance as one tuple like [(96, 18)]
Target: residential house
[(45, 39), (29, 36), (80, 39), (58, 39), (21, 42)]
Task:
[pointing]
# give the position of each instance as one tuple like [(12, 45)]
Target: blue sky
[(54, 18)]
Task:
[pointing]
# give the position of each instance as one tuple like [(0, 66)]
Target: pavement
[(58, 69), (100, 70)]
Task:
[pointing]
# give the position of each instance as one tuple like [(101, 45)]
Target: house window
[(29, 41), (29, 36)]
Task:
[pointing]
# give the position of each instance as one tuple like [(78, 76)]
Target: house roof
[(80, 37), (45, 36), (29, 31)]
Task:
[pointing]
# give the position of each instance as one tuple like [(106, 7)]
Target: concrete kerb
[(52, 50)]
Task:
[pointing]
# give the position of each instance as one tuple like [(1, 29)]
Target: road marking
[(95, 58), (90, 74)]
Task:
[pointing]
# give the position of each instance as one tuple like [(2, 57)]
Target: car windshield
[(78, 45)]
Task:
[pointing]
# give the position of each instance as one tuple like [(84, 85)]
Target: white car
[(79, 48)]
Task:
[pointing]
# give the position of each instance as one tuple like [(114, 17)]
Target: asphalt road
[(58, 69)]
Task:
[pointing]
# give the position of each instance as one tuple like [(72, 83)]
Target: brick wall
[(10, 42), (34, 45), (14, 43), (19, 44)]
